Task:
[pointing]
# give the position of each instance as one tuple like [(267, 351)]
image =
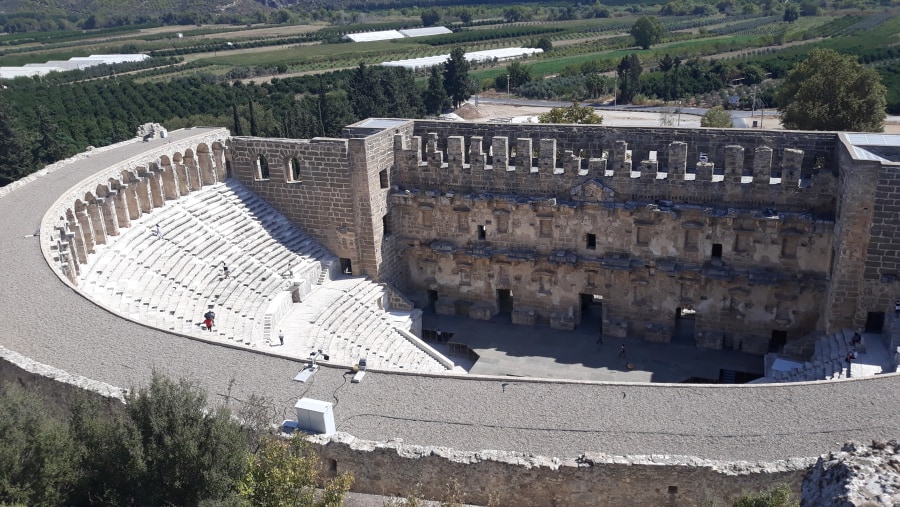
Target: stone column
[(476, 154), (109, 213), (618, 159), (455, 153), (500, 148), (75, 236), (121, 206), (218, 159), (762, 165), (435, 156), (597, 166), (791, 162), (207, 172), (677, 159), (142, 191), (169, 184), (98, 224), (705, 171), (154, 181), (734, 163), (523, 156), (84, 222), (131, 200), (184, 186), (547, 156)]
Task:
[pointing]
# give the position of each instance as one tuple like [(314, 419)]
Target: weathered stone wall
[(735, 226), (853, 231), (61, 389), (786, 170), (516, 479), (320, 200)]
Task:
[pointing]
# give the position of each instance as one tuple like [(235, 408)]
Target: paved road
[(45, 320)]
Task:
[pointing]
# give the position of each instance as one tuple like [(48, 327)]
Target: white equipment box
[(315, 416)]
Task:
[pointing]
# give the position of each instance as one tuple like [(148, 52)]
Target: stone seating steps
[(827, 363)]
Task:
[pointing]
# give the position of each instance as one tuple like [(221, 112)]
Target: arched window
[(262, 168)]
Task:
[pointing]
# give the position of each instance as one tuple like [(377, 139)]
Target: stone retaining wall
[(517, 479)]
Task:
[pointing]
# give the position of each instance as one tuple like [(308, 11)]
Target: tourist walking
[(897, 308), (622, 351), (158, 232), (225, 270), (280, 337)]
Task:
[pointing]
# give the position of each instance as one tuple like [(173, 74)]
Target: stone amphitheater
[(321, 251)]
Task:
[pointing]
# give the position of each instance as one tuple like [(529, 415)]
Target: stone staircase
[(828, 361)]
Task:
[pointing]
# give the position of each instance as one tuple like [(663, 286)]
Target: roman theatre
[(690, 243)]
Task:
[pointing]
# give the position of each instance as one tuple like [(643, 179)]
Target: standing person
[(158, 231), (210, 318), (439, 337), (225, 270), (280, 337), (622, 351), (897, 308)]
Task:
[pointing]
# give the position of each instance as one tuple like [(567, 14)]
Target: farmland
[(306, 68)]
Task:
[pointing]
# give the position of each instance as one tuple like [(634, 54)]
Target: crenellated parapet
[(696, 166)]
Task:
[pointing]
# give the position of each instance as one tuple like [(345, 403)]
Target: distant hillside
[(131, 8)]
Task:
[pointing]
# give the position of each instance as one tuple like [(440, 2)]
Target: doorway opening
[(432, 299), (592, 311), (778, 341), (717, 251), (346, 267), (685, 324), (505, 300), (874, 322)]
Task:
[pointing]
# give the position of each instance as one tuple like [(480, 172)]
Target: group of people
[(621, 349)]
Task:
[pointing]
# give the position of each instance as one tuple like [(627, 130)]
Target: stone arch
[(292, 169), (260, 167)]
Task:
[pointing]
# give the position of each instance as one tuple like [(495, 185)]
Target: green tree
[(52, 144), (286, 474), (238, 129), (38, 460), (518, 74), (15, 156), (830, 91), (431, 17), (779, 496), (716, 117), (254, 128), (647, 31), (191, 452), (572, 114), (629, 72), (436, 98), (791, 13), (544, 43), (456, 76)]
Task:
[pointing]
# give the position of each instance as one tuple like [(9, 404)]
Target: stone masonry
[(758, 237)]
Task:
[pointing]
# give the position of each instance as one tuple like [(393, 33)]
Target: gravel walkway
[(45, 320)]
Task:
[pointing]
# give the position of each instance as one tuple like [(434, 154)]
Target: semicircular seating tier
[(280, 280)]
